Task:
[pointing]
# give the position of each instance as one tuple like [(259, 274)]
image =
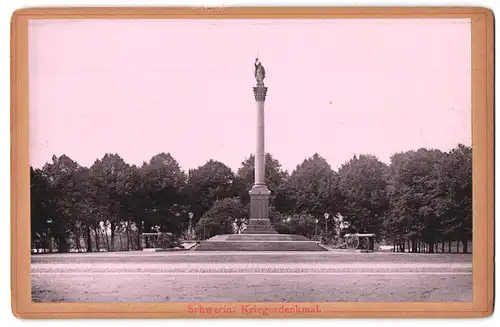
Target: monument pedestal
[(259, 212)]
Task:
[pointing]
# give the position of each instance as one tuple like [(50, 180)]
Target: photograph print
[(250, 160)]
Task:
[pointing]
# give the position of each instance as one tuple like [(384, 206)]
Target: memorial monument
[(259, 194), (259, 235)]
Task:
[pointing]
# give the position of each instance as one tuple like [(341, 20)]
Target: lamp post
[(190, 215), (327, 215), (78, 225), (316, 227), (49, 234)]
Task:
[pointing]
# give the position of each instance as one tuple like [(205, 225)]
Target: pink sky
[(336, 87)]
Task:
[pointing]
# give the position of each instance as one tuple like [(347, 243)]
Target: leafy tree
[(41, 199), (452, 191), (135, 202), (63, 177), (362, 185), (87, 207), (226, 216), (109, 177), (208, 183), (163, 188), (412, 199), (311, 188)]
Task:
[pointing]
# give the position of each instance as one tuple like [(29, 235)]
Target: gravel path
[(276, 277), (252, 288), (253, 257)]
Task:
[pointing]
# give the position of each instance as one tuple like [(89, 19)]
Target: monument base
[(259, 235), (259, 212), (259, 242)]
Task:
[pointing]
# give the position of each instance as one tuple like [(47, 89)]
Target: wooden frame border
[(482, 144)]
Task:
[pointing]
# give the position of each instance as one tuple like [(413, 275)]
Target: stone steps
[(259, 230), (259, 226), (266, 237), (259, 246)]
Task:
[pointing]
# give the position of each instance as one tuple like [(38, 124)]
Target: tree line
[(421, 199)]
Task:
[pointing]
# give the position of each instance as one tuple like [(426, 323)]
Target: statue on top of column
[(260, 72)]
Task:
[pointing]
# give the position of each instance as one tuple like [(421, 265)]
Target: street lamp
[(327, 215), (78, 225), (190, 215), (49, 231), (316, 226)]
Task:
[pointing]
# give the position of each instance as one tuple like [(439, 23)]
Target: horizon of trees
[(422, 198)]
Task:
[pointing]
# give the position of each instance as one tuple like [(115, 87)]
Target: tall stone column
[(260, 92), (259, 194)]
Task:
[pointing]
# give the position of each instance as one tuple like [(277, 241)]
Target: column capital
[(260, 93)]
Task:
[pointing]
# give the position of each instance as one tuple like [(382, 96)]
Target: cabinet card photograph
[(253, 167)]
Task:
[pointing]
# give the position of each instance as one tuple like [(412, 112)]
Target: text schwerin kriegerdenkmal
[(251, 309)]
